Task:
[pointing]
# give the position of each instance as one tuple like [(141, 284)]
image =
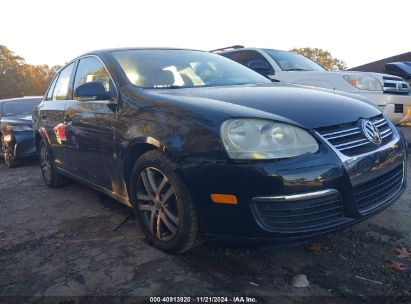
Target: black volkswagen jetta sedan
[(199, 145), (16, 130)]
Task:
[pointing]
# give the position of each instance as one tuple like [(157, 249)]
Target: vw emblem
[(371, 132)]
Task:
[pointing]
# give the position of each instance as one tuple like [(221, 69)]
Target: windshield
[(289, 61), (20, 107), (162, 69)]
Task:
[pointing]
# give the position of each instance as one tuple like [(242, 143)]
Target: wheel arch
[(39, 135), (37, 139), (136, 150)]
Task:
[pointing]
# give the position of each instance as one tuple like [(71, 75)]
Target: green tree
[(17, 78), (322, 57), (11, 73)]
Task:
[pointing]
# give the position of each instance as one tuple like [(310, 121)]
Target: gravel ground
[(73, 241)]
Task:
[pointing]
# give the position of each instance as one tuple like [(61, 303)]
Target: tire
[(8, 158), (162, 204), (51, 177)]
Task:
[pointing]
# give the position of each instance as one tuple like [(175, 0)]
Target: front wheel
[(51, 177), (163, 205)]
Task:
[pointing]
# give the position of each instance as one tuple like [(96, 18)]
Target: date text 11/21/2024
[(239, 299)]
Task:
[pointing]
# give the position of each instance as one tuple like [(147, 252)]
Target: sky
[(54, 32)]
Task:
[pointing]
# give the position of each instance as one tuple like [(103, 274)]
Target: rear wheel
[(163, 205), (51, 177)]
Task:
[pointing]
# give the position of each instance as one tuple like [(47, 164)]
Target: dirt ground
[(70, 242)]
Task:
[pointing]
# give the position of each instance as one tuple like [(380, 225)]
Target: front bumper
[(23, 145), (296, 199), (396, 107)]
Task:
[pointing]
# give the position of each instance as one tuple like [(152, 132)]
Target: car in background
[(198, 144), (390, 93), (16, 129), (401, 69)]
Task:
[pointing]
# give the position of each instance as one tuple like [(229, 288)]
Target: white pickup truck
[(390, 93)]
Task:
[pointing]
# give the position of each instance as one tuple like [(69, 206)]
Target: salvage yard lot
[(73, 241)]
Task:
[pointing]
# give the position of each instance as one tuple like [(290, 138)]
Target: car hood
[(304, 106), (17, 120)]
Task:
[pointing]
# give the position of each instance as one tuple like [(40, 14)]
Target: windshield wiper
[(295, 70), (165, 87)]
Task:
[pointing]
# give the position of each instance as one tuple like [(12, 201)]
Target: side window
[(51, 88), (91, 69), (392, 70), (244, 57), (229, 55), (387, 69), (248, 56), (62, 86)]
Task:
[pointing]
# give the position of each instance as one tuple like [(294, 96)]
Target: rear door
[(51, 113), (91, 127)]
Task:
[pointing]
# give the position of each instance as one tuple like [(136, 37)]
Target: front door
[(91, 127)]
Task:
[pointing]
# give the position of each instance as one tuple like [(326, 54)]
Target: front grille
[(395, 85), (308, 214), (349, 138), (379, 191)]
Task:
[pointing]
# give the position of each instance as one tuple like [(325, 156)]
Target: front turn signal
[(224, 199)]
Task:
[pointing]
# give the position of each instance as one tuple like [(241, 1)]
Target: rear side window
[(62, 86), (91, 69), (50, 91)]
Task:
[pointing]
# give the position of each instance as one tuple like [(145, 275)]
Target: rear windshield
[(289, 61), (162, 69), (20, 107)]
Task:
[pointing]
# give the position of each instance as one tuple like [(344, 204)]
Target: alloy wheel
[(157, 202)]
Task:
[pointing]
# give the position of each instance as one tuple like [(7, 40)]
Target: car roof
[(102, 51), (109, 50)]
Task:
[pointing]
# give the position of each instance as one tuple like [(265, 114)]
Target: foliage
[(17, 78), (322, 57)]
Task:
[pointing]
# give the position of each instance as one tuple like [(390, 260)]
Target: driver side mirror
[(260, 67), (91, 91)]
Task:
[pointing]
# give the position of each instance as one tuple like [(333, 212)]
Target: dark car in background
[(401, 69), (16, 130), (198, 144)]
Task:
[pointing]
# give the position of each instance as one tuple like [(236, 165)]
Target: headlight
[(248, 138), (364, 82), (19, 128), (7, 138)]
